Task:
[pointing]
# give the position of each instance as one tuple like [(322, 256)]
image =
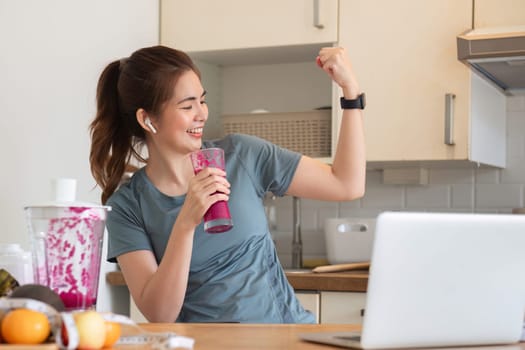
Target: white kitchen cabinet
[(342, 307), (134, 312), (498, 13), (254, 55), (334, 307), (405, 57), (327, 307), (423, 105), (310, 301), (209, 25)]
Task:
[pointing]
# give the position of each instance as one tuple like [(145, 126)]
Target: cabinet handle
[(449, 119), (317, 20)]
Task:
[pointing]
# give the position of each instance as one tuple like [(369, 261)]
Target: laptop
[(441, 279)]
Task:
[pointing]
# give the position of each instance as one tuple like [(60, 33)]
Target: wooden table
[(220, 336), (226, 336), (223, 336)]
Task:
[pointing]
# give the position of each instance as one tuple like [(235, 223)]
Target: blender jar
[(66, 241)]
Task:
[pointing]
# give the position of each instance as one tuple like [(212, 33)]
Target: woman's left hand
[(336, 63), (344, 180)]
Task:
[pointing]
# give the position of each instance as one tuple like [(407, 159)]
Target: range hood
[(498, 54)]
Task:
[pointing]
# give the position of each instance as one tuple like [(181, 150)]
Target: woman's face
[(182, 121)]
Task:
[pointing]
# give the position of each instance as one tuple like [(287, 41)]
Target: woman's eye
[(189, 107)]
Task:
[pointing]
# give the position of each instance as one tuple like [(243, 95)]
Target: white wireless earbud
[(150, 125)]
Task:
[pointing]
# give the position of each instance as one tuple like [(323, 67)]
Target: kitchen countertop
[(351, 281)]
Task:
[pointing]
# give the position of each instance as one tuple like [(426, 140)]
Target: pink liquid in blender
[(76, 300), (73, 247), (217, 218)]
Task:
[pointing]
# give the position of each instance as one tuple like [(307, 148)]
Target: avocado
[(41, 293), (7, 283)]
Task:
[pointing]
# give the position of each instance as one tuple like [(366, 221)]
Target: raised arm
[(345, 178)]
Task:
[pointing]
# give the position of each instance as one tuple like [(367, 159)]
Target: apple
[(91, 329), (64, 335)]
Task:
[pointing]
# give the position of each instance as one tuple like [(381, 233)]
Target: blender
[(66, 242)]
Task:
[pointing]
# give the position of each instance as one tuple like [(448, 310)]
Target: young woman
[(174, 270)]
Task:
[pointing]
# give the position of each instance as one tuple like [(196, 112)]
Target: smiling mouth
[(194, 131)]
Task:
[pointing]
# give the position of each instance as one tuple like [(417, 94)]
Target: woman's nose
[(202, 112)]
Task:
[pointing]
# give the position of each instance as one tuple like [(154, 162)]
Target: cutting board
[(342, 267)]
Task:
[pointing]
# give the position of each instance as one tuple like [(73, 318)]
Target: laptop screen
[(440, 279)]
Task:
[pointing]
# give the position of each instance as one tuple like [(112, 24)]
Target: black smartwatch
[(358, 103)]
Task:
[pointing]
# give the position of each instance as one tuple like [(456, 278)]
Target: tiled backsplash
[(449, 189)]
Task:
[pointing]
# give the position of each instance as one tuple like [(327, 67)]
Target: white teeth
[(195, 131)]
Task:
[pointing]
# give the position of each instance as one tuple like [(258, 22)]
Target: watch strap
[(358, 103)]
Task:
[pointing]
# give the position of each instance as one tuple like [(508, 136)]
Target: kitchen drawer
[(310, 301), (342, 307)]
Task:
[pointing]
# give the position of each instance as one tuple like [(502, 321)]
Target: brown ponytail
[(144, 80)]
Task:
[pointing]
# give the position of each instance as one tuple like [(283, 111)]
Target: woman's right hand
[(205, 188)]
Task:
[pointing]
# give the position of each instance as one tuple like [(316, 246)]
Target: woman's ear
[(144, 120)]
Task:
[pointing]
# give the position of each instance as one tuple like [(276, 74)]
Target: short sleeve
[(271, 167), (125, 227)]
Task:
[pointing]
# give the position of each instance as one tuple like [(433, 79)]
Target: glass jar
[(17, 262)]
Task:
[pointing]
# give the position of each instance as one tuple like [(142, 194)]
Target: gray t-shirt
[(234, 276)]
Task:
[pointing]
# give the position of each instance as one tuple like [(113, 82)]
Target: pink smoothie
[(217, 219), (76, 300), (219, 212)]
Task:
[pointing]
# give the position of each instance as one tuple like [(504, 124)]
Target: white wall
[(483, 190), (51, 55)]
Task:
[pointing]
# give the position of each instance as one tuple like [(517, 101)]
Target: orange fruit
[(112, 333), (3, 312), (25, 326)]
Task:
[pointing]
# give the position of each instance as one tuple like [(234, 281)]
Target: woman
[(174, 270)]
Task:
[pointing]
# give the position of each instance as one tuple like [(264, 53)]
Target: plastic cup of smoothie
[(217, 218)]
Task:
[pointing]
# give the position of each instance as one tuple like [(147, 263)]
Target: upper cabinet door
[(498, 13), (209, 25), (404, 55)]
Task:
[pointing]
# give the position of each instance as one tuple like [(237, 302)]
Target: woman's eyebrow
[(191, 98)]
